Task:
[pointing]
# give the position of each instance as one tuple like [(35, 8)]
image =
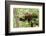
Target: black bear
[(27, 16)]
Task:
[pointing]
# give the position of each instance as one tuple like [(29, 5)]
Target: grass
[(19, 13)]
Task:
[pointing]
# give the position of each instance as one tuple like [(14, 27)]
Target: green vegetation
[(20, 13)]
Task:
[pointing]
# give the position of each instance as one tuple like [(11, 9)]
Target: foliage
[(20, 14)]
